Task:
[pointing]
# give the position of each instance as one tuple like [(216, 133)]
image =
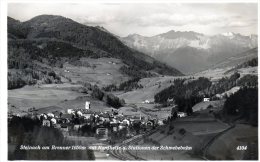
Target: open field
[(225, 147), (28, 97), (231, 91), (160, 114), (130, 111), (48, 98), (151, 86), (79, 102), (64, 86), (201, 123), (214, 74), (200, 129), (101, 71), (249, 70), (204, 105), (218, 73)]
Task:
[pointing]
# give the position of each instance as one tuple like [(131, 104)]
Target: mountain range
[(68, 39), (191, 52), (170, 53)]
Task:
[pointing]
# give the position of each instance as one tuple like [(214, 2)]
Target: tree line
[(108, 98), (27, 131), (185, 93), (242, 105), (125, 86)]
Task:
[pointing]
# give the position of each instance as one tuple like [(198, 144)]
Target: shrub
[(114, 101), (97, 93), (182, 131), (171, 127), (130, 85)]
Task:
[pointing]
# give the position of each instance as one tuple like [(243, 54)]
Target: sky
[(150, 19)]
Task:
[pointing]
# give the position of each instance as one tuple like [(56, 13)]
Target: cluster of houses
[(103, 122)]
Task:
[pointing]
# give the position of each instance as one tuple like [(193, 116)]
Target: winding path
[(207, 146)]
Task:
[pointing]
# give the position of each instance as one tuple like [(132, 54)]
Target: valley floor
[(203, 132)]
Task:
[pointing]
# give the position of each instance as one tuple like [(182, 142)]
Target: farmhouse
[(53, 121), (147, 101), (79, 113), (125, 121), (102, 132), (57, 114), (70, 111), (114, 126), (170, 100), (104, 117), (43, 116), (64, 127), (150, 123), (66, 117), (122, 126), (181, 114), (160, 122), (50, 115), (87, 115), (46, 123)]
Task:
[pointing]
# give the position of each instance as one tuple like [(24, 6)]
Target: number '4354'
[(241, 147)]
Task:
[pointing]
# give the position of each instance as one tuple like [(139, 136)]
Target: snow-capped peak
[(228, 34)]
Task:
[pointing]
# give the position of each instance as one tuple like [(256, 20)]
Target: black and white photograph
[(132, 81)]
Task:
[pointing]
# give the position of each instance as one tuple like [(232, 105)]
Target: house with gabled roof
[(46, 123), (57, 114), (66, 126), (66, 118)]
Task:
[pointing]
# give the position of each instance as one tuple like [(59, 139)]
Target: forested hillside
[(187, 92), (243, 105), (29, 132), (53, 39)]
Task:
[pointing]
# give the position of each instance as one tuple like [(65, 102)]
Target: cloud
[(149, 19), (178, 19), (238, 24), (96, 19)]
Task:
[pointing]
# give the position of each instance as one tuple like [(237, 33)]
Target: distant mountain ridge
[(94, 39), (191, 52), (238, 59)]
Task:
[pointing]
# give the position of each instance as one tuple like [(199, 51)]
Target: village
[(105, 126)]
